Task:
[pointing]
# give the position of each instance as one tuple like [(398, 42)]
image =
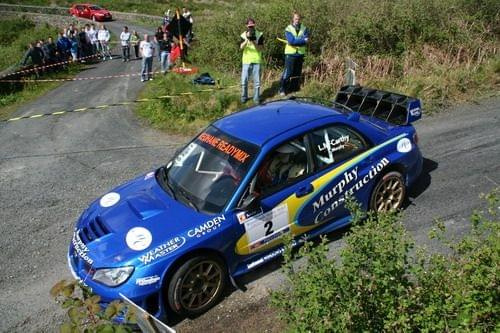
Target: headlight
[(113, 277)]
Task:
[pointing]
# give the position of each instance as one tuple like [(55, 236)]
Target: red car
[(93, 12)]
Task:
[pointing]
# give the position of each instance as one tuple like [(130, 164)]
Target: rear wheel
[(197, 285), (389, 193)]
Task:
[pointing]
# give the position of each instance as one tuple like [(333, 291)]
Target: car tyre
[(197, 285), (389, 193)]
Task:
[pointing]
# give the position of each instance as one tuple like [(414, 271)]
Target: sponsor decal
[(80, 248), (271, 237), (138, 238), (349, 177), (238, 154), (146, 281), (243, 216), (404, 145), (334, 144), (109, 199), (266, 258), (206, 227), (415, 112), (163, 250), (266, 227), (181, 158), (149, 175)]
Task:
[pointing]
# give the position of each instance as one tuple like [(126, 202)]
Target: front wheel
[(389, 193), (197, 285)]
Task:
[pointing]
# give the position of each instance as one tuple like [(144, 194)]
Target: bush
[(381, 283), (84, 311)]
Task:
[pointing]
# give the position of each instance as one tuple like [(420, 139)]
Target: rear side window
[(335, 144)]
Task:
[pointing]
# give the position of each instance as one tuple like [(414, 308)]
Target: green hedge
[(381, 282)]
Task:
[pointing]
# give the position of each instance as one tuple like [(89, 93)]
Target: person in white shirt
[(92, 34), (125, 41), (147, 50), (103, 37)]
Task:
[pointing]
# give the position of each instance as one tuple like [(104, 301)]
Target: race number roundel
[(109, 199), (138, 238), (404, 145)]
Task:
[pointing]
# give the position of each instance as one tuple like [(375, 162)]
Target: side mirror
[(250, 203)]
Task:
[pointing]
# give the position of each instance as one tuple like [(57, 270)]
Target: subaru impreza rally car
[(171, 239)]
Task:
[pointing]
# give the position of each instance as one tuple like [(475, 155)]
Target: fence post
[(350, 75)]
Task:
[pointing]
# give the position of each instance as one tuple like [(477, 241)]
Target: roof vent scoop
[(391, 107)]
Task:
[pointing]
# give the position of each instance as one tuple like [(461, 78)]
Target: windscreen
[(207, 172)]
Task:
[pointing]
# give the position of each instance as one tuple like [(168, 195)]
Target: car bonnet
[(131, 220)]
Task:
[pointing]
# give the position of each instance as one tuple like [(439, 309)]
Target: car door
[(342, 158), (286, 171)]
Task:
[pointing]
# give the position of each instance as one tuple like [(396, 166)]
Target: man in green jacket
[(251, 42)]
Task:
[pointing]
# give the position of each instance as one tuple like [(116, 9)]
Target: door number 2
[(269, 227)]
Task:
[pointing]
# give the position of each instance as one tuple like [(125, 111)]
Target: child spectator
[(134, 40)]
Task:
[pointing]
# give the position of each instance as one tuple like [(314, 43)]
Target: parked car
[(92, 12), (173, 237)]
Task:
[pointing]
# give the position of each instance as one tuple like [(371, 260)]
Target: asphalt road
[(51, 168)]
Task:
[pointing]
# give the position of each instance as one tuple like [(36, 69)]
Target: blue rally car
[(172, 239)]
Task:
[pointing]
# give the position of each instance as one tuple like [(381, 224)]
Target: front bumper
[(147, 297)]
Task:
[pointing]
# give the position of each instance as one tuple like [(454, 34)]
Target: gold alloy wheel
[(389, 193), (200, 285)]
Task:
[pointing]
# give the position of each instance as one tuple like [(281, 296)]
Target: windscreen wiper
[(164, 175), (187, 199)]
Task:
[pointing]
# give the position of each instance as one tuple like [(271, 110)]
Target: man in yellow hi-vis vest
[(251, 43), (297, 36)]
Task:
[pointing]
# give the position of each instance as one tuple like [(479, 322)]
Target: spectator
[(166, 19), (103, 37), (125, 42), (251, 42), (63, 47), (147, 51), (297, 36), (71, 31), (74, 47), (84, 44), (157, 38), (165, 46), (189, 17), (50, 51), (35, 54), (134, 40), (92, 35)]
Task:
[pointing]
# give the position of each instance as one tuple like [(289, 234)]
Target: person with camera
[(251, 43), (297, 37)]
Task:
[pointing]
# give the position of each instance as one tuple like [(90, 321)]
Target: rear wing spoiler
[(390, 107)]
